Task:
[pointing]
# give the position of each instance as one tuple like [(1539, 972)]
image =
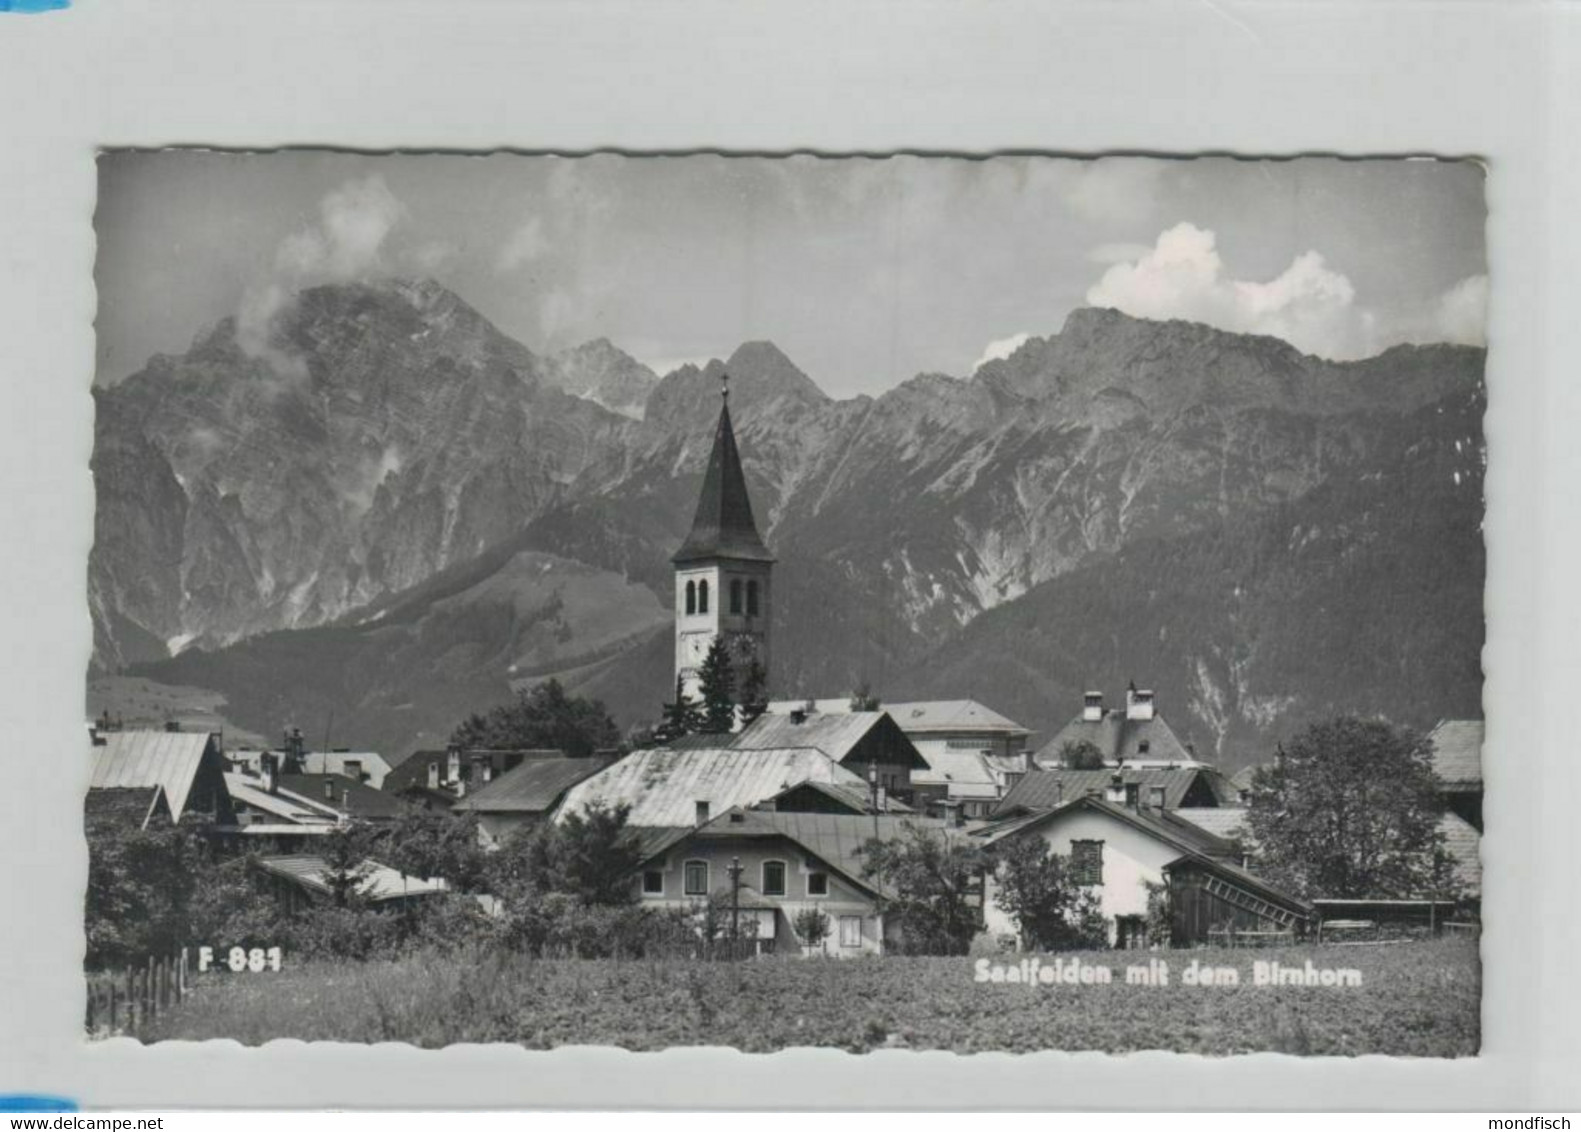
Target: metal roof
[(919, 716), (1221, 821), (1044, 789), (291, 807), (1457, 752), (663, 786), (531, 788), (964, 774), (379, 883), (858, 798), (835, 735), (168, 759)]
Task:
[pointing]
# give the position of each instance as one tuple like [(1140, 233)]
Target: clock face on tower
[(695, 647)]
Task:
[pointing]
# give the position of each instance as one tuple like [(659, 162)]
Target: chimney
[(798, 716), (1092, 707), (1138, 705), (702, 812), (1059, 793), (453, 765), (269, 769), (1116, 791), (433, 776), (1156, 798), (172, 725)]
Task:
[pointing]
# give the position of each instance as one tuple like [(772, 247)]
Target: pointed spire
[(723, 526)]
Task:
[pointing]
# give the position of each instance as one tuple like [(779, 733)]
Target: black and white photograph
[(885, 602)]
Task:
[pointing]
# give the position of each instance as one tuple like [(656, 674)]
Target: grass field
[(1418, 999)]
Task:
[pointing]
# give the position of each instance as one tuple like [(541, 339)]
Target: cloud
[(1309, 305), (1461, 313), (1000, 348), (525, 245), (346, 242)]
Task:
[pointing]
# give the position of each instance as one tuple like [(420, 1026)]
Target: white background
[(1497, 80)]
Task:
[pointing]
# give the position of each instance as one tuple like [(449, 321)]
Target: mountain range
[(393, 514)]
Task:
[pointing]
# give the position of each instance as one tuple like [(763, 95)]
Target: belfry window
[(702, 596), (691, 597), (735, 595), (752, 598)]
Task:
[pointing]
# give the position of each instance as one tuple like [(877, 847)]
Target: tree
[(930, 878), (754, 691), (681, 716), (863, 699), (1080, 754), (545, 718), (717, 683), (812, 926), (1350, 810), (425, 843), (1035, 888), (589, 857), (346, 850), (140, 887)]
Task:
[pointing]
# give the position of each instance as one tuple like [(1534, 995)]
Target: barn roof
[(1119, 739), (532, 787), (857, 798), (835, 735), (1457, 753), (662, 786), (1045, 789), (168, 759)]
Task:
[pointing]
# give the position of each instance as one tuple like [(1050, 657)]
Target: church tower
[(722, 571)]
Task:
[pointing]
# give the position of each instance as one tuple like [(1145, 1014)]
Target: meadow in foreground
[(1419, 999)]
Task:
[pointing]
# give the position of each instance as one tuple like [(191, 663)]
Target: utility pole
[(735, 905)]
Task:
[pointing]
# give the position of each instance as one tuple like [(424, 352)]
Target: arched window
[(691, 597), (735, 595), (752, 599), (702, 596)]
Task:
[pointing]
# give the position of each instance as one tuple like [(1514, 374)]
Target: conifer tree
[(754, 691), (681, 716), (718, 686)]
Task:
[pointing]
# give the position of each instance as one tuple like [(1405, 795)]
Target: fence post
[(92, 992), (148, 987), (112, 1004)]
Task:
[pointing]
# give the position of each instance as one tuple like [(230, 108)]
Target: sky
[(865, 271)]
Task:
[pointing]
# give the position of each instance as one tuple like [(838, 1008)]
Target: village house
[(1121, 851), (767, 868), (524, 796), (1136, 735), (813, 797), (973, 754), (368, 767), (670, 789), (186, 768), (1196, 786), (866, 743), (437, 779)]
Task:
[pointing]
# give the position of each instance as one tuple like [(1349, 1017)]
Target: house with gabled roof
[(524, 796), (666, 788), (437, 779), (186, 766), (866, 743), (812, 797), (1121, 853), (1136, 735), (1168, 787), (789, 863)]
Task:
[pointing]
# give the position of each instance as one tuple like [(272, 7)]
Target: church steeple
[(723, 526), (723, 571)]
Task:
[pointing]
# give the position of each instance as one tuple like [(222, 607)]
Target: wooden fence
[(127, 1001)]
